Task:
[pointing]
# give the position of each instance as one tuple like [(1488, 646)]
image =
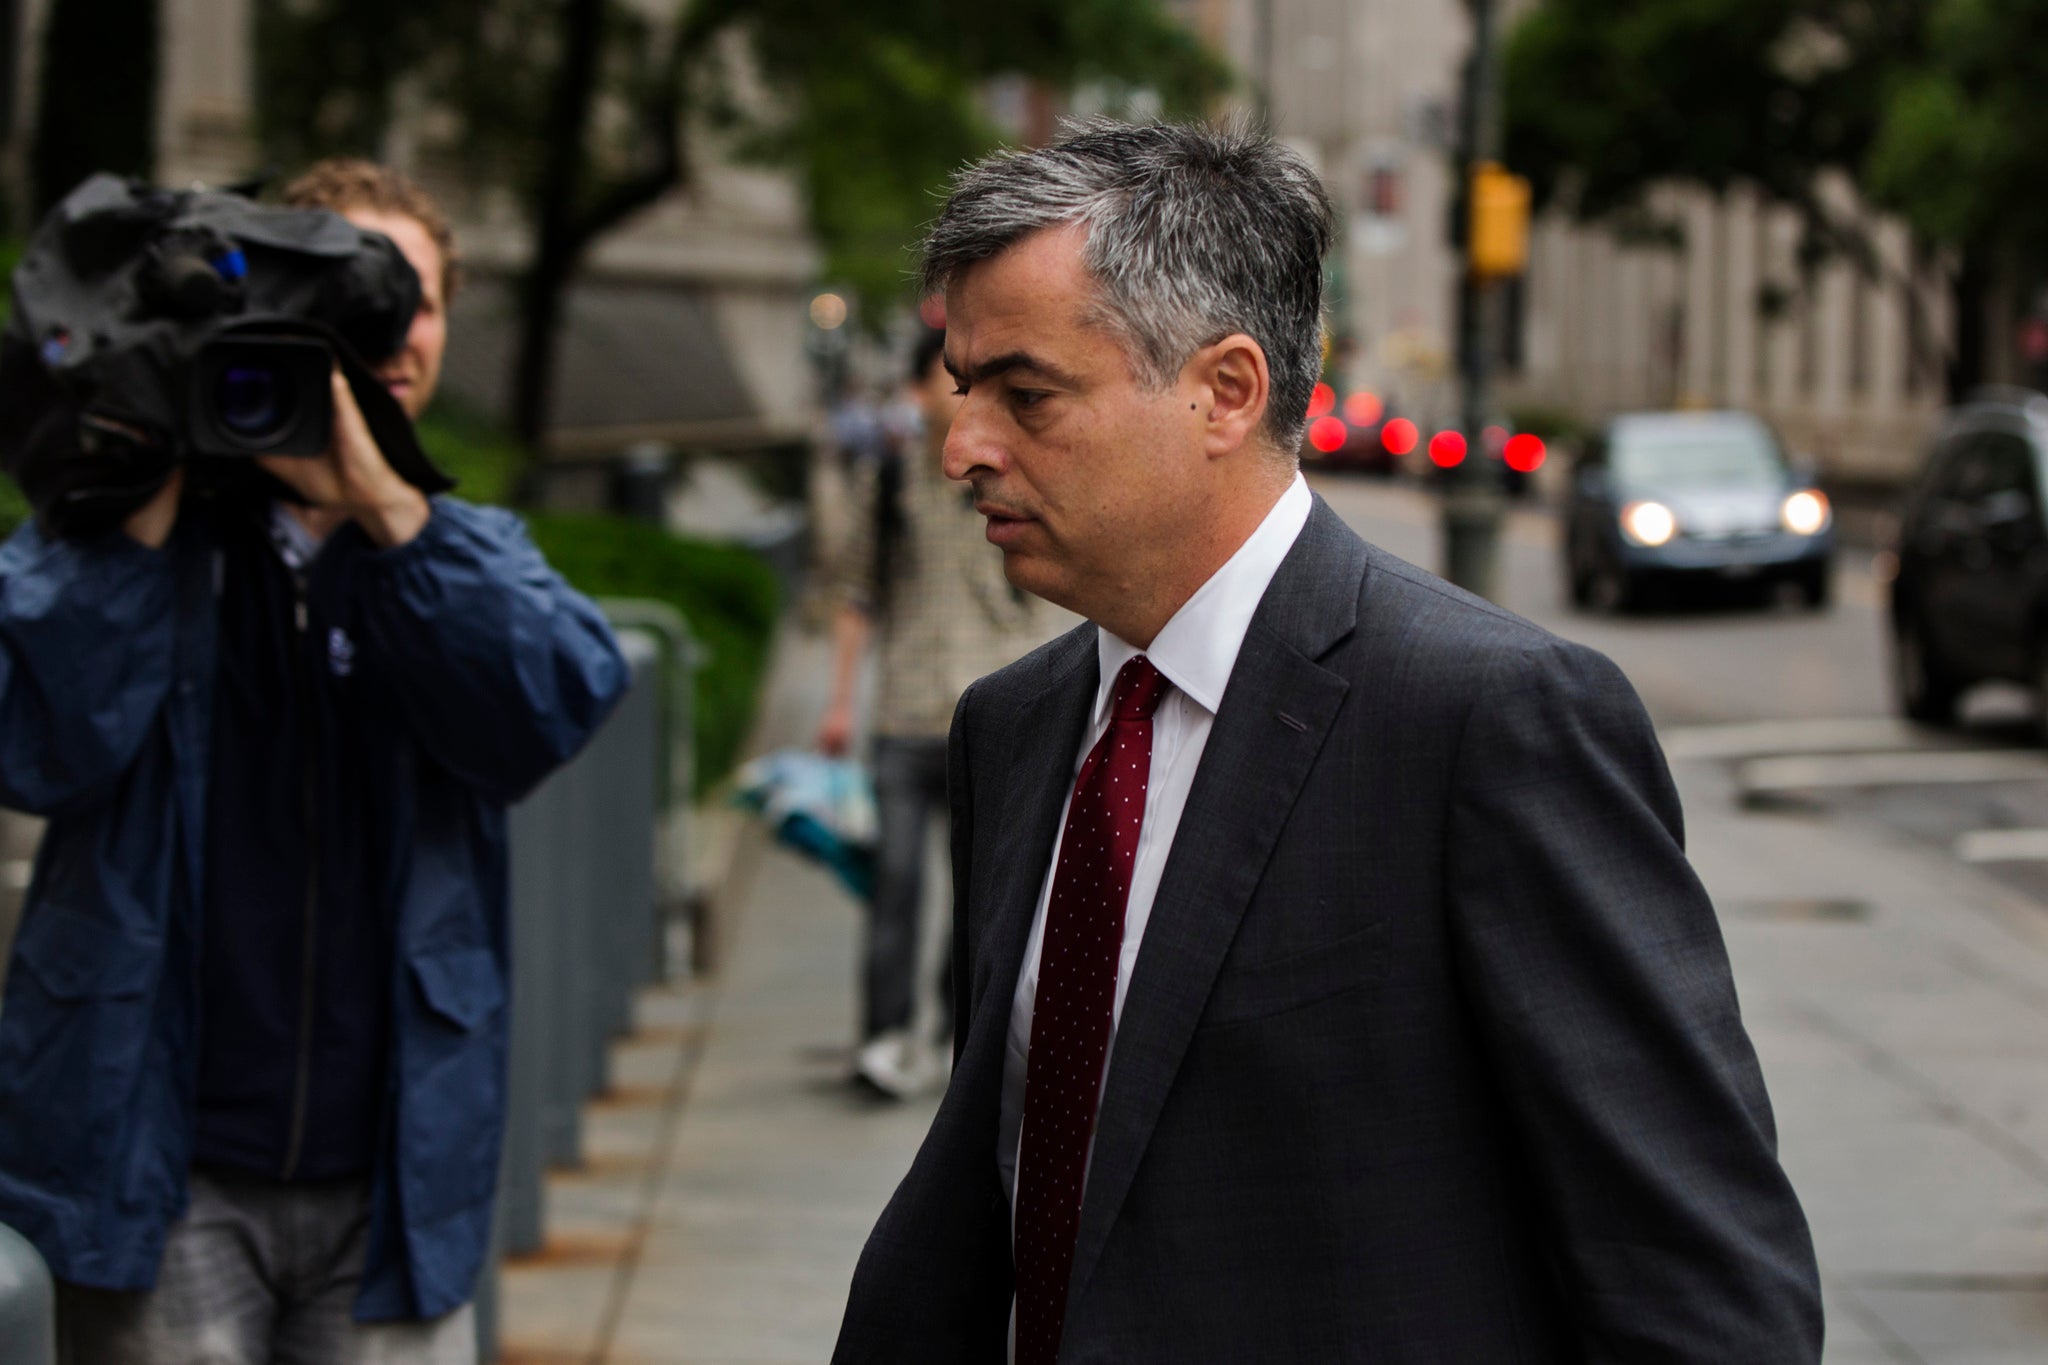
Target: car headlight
[(1806, 513), (1648, 523)]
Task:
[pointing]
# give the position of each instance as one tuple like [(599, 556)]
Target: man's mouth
[(1004, 523)]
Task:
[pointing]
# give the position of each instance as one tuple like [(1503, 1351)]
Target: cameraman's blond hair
[(341, 183)]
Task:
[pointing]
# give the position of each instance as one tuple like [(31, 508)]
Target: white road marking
[(1823, 735), (1805, 772), (2003, 845)]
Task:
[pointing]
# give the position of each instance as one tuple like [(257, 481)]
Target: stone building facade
[(1720, 317), (687, 327)]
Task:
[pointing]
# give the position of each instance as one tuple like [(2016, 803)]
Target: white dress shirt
[(1196, 651)]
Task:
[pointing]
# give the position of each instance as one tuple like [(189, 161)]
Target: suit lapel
[(1037, 767), (1271, 725)]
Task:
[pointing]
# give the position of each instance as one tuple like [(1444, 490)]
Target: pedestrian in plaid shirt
[(919, 581)]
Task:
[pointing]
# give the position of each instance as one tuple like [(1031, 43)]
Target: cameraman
[(253, 1051)]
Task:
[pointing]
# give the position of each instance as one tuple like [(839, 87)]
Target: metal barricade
[(675, 757), (566, 897), (597, 853)]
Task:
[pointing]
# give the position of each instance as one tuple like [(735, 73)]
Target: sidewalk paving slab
[(1905, 1046)]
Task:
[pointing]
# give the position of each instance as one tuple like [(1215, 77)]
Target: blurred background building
[(687, 324), (1704, 305), (686, 327)]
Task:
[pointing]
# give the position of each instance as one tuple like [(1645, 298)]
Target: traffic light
[(1497, 245)]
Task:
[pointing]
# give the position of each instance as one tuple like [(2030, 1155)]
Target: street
[(1897, 993)]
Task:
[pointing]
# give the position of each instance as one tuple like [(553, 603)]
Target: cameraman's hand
[(353, 478), (151, 523)]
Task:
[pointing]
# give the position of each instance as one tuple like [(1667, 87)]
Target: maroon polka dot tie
[(1071, 1015)]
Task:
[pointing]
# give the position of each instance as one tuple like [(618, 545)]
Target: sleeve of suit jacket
[(1601, 986)]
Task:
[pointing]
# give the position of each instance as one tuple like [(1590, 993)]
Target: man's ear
[(1231, 387)]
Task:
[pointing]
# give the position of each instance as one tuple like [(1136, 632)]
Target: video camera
[(154, 328)]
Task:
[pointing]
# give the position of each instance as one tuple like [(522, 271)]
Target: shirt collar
[(1197, 649)]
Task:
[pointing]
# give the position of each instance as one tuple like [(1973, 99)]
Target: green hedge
[(728, 594), (473, 451)]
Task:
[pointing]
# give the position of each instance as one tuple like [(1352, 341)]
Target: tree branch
[(661, 123), (1853, 240)]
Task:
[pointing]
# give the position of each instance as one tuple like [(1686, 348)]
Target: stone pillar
[(28, 19), (1889, 343), (1837, 318), (1781, 334), (1633, 358), (1600, 269), (1544, 369), (206, 108), (1739, 286), (1703, 310), (29, 50), (1555, 308)]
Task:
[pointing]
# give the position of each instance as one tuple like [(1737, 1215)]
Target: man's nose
[(970, 444)]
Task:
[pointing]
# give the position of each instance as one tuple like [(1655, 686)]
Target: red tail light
[(1524, 453)]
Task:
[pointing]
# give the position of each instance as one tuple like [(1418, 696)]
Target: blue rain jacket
[(498, 673)]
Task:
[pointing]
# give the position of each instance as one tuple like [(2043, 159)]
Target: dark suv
[(1970, 596)]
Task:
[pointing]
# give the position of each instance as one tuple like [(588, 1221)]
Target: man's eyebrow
[(1006, 364)]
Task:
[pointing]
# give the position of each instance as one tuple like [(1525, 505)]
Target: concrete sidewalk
[(1900, 1005)]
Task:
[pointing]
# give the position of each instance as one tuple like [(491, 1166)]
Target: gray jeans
[(910, 791), (256, 1274)]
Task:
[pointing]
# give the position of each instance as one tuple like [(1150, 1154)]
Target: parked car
[(1662, 498), (1510, 458), (1363, 433), (1969, 599)]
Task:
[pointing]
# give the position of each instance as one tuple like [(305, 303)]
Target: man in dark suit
[(1331, 982)]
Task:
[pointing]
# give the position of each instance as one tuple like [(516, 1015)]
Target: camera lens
[(253, 403)]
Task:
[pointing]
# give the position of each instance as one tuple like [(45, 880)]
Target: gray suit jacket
[(1431, 1052)]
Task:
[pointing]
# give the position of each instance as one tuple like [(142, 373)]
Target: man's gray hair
[(1193, 233)]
